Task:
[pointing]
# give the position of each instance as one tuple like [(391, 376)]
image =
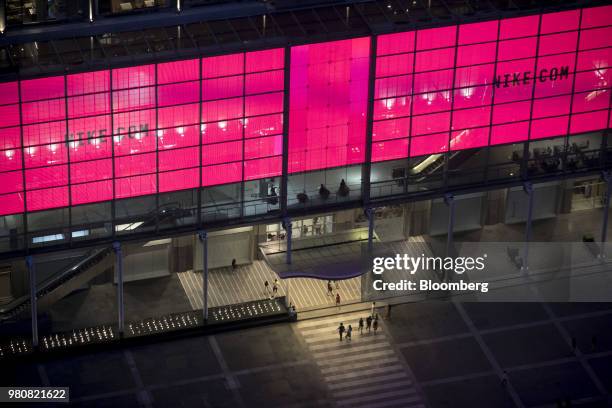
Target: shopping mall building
[(160, 160)]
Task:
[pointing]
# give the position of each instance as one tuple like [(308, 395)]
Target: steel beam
[(33, 303), (119, 270), (203, 236)]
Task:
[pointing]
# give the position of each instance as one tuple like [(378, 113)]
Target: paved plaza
[(429, 354)]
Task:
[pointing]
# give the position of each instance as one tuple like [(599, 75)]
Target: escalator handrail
[(48, 283)]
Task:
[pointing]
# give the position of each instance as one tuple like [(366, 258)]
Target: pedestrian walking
[(369, 323), (267, 288), (361, 325), (337, 285), (341, 330), (373, 308), (233, 263), (349, 332), (330, 290), (375, 324), (274, 289), (338, 299)]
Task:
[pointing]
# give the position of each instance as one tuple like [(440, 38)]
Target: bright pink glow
[(179, 180), (92, 192), (43, 177), (389, 150), (328, 103), (9, 115), (135, 186), (11, 182), (179, 71), (514, 49), (9, 93), (260, 168), (585, 122), (155, 125), (430, 144), (47, 198), (558, 43), (266, 60), (436, 38), (596, 16), (44, 88), (395, 43), (476, 54), (91, 171), (542, 128), (469, 138), (391, 129), (175, 94), (221, 174), (134, 77), (563, 21), (478, 32), (510, 133), (88, 82), (88, 105), (11, 203), (518, 27)]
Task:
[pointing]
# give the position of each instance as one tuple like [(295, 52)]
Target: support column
[(528, 188), (369, 212), (33, 303), (289, 230), (203, 236), (119, 269), (449, 200), (606, 209)]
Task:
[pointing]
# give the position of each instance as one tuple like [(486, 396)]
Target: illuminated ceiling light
[(31, 150), (9, 154), (178, 6), (160, 133), (128, 227), (180, 130), (95, 142), (53, 148), (223, 125), (117, 139), (203, 127), (158, 242), (138, 136), (91, 11)]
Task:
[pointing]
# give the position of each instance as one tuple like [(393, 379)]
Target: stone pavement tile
[(424, 320), (282, 387), (477, 392), (20, 373), (492, 315), (562, 309), (213, 393), (603, 369), (446, 359), (91, 374), (128, 400), (584, 330), (545, 385), (175, 360), (260, 346), (526, 346)]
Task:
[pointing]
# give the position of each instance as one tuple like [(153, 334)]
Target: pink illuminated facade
[(113, 134)]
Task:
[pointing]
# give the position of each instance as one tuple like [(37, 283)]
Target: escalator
[(60, 284), (435, 164)]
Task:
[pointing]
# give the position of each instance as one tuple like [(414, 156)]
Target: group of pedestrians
[(274, 289), (330, 290), (370, 324)]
